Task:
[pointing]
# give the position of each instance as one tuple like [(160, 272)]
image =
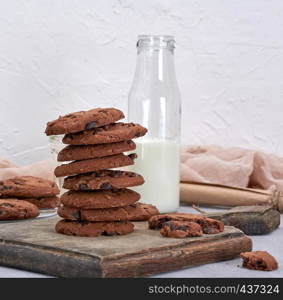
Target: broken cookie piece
[(259, 260), (209, 226), (179, 229)]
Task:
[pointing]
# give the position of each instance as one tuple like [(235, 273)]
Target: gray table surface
[(273, 243)]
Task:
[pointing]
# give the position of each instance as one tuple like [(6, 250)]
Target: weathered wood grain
[(252, 220), (34, 245)]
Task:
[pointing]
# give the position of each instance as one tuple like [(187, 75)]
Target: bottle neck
[(155, 64)]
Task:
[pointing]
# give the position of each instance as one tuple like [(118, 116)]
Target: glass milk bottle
[(155, 103)]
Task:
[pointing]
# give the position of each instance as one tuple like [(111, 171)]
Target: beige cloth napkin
[(43, 169), (235, 167)]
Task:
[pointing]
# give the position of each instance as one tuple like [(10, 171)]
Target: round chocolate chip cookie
[(83, 120), (71, 153), (94, 229), (99, 198), (12, 209), (104, 179), (133, 212), (28, 186), (107, 134), (95, 164)]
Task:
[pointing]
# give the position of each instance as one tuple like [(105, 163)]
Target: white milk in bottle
[(155, 103), (158, 165)]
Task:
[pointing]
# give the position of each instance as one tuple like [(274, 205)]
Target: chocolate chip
[(5, 187), (108, 233), (90, 125), (83, 186), (77, 215), (84, 223), (170, 225), (96, 174), (132, 174), (129, 142), (1, 212), (116, 174), (138, 134), (133, 156), (105, 186)]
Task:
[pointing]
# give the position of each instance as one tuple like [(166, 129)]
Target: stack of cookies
[(38, 191), (98, 201), (21, 197)]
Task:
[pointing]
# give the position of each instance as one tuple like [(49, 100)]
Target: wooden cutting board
[(34, 245)]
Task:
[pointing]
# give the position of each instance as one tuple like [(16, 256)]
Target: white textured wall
[(59, 56)]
